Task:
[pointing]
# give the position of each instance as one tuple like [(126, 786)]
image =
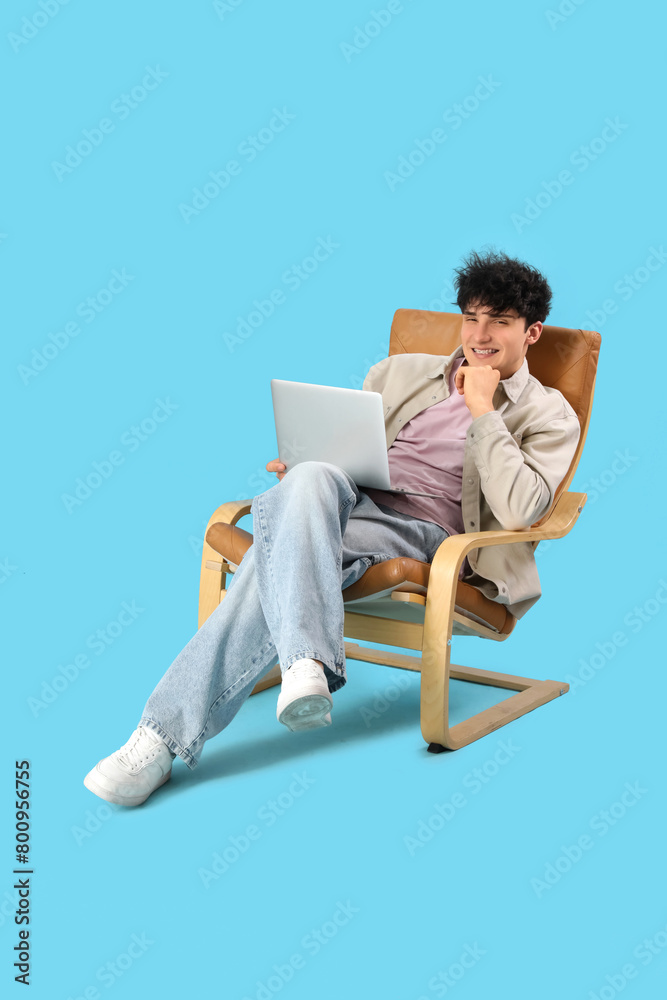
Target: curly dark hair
[(500, 282)]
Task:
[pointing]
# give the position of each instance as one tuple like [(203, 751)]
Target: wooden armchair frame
[(437, 612)]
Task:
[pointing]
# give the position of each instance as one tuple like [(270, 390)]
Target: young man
[(477, 443)]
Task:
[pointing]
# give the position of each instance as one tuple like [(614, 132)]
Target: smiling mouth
[(487, 352)]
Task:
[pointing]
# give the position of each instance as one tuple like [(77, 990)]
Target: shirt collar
[(513, 386)]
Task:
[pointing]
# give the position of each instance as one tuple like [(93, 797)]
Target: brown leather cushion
[(404, 574), (230, 541), (411, 576)]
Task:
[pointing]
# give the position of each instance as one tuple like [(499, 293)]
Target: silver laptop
[(324, 423)]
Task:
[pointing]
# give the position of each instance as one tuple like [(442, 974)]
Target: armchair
[(413, 605)]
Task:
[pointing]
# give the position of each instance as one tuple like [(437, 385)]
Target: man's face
[(499, 340)]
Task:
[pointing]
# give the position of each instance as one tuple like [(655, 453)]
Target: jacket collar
[(513, 386)]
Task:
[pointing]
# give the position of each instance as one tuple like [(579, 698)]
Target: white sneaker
[(304, 701), (130, 774)]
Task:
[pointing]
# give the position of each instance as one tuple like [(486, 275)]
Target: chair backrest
[(562, 359)]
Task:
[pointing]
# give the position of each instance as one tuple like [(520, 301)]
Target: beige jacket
[(514, 460)]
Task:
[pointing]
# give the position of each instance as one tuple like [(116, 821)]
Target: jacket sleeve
[(519, 474)]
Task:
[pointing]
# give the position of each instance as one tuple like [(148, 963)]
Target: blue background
[(104, 874)]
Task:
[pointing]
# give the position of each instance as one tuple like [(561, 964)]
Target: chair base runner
[(528, 695)]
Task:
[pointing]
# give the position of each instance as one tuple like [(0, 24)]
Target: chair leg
[(436, 672)]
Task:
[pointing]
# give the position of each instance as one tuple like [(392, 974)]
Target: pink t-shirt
[(427, 456)]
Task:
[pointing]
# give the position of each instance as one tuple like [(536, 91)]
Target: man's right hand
[(277, 466)]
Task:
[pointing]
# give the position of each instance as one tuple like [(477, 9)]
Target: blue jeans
[(315, 533)]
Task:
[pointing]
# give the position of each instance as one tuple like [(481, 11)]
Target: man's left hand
[(477, 385)]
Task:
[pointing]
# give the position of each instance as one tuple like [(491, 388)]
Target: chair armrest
[(565, 512), (230, 513), (212, 579), (447, 561)]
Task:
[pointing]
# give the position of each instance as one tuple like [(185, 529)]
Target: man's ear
[(533, 332)]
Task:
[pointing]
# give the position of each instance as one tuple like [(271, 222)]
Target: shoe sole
[(308, 712), (120, 800)]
